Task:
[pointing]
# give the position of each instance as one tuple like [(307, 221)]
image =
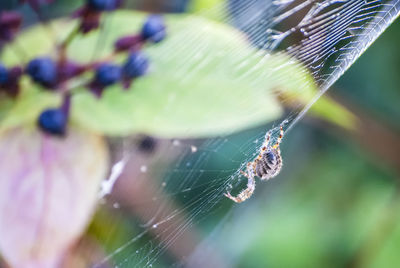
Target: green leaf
[(6, 104), (324, 108), (205, 80), (333, 112), (199, 5), (26, 108), (212, 9)]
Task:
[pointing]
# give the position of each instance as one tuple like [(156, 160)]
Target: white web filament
[(327, 37), (324, 38)]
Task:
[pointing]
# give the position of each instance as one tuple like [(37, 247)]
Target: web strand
[(321, 37)]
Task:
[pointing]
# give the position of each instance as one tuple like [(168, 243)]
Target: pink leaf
[(48, 192)]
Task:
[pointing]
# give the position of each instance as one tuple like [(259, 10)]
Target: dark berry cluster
[(43, 71), (54, 121), (90, 13), (53, 74), (153, 30), (107, 74), (136, 64)]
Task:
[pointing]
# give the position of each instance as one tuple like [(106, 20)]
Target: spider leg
[(251, 186), (245, 194), (281, 133), (267, 138)]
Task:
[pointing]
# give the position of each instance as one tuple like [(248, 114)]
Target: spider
[(266, 165)]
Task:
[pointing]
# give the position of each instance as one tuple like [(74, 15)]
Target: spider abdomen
[(268, 165)]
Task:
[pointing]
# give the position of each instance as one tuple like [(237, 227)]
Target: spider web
[(180, 185), (162, 205)]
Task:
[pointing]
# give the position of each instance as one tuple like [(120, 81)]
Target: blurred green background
[(336, 202)]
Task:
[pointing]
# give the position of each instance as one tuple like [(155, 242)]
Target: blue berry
[(108, 74), (53, 121), (103, 5), (4, 76), (43, 71), (136, 65), (154, 29)]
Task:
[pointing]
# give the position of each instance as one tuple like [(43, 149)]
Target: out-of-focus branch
[(378, 137)]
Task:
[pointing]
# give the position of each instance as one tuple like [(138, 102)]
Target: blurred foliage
[(324, 108), (142, 109), (47, 184), (333, 112), (212, 9), (321, 216), (26, 109), (334, 204), (200, 5)]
